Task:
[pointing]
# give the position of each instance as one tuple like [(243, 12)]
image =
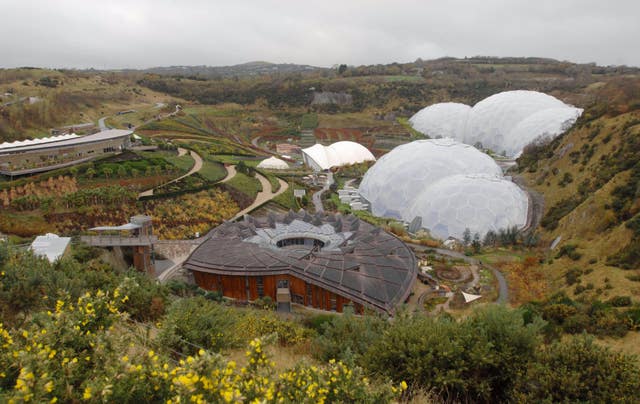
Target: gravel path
[(317, 197), (196, 167), (263, 196)]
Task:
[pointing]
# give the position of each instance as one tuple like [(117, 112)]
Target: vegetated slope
[(244, 69), (590, 179), (403, 88), (32, 101)]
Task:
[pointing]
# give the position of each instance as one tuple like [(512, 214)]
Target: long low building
[(323, 261), (39, 155)]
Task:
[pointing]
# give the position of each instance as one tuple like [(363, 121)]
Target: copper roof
[(358, 261)]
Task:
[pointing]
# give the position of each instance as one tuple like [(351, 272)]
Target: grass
[(184, 163), (309, 121), (286, 199), (249, 186), (212, 171)]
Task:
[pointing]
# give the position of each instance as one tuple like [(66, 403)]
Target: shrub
[(477, 359), (579, 370), (196, 322), (620, 301)]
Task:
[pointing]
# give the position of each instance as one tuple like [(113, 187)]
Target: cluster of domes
[(505, 122), (343, 153), (450, 185)]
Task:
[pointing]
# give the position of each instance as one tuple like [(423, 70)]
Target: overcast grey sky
[(145, 33)]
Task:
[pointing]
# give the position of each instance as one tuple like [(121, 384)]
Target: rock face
[(326, 97)]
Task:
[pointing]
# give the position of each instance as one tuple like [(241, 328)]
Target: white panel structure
[(343, 153), (504, 122), (273, 163), (545, 124), (478, 202), (396, 180), (446, 119)]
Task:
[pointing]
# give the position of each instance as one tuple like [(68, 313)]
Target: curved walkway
[(317, 197), (231, 172), (196, 167), (263, 196)]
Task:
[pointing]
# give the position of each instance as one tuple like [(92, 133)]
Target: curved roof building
[(343, 153), (504, 122), (322, 260), (477, 202), (273, 163), (398, 177)]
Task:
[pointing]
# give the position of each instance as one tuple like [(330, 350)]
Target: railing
[(110, 241)]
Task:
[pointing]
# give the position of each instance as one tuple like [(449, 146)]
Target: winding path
[(196, 167), (317, 197), (263, 196)]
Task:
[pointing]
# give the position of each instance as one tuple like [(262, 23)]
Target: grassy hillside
[(590, 179)]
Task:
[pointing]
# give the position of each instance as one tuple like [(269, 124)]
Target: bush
[(348, 337), (196, 322), (579, 371), (477, 359), (620, 301)]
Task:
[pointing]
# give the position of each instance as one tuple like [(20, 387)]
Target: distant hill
[(241, 70)]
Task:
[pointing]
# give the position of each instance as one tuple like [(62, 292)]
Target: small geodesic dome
[(342, 153), (474, 201), (273, 163), (398, 177)]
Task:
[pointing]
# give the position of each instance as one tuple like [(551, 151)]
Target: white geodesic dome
[(492, 120), (398, 177), (504, 122), (273, 163), (545, 124), (446, 119), (320, 157), (477, 202)]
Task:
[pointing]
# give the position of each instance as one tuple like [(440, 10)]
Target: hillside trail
[(197, 166), (263, 196)]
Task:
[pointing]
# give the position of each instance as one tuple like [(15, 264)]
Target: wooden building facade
[(250, 288)]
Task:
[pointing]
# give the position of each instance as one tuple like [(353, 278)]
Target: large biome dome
[(398, 177), (504, 122), (441, 120), (478, 202)]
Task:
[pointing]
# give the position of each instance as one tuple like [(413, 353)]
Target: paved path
[(263, 196), (101, 123), (503, 288), (317, 197), (231, 172), (196, 167)]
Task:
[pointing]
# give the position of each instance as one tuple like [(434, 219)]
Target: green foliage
[(569, 250), (249, 186), (477, 359), (197, 322), (579, 370), (348, 337), (560, 210)]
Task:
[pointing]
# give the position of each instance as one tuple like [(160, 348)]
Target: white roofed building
[(343, 153), (39, 155), (50, 246), (273, 163)]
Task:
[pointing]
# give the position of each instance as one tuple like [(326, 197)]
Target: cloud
[(144, 33)]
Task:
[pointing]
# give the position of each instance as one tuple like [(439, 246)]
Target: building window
[(260, 286), (283, 283), (333, 302), (309, 295), (298, 299)]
